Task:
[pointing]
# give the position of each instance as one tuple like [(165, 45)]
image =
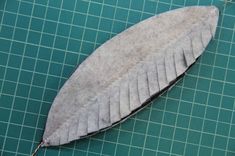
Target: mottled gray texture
[(127, 70)]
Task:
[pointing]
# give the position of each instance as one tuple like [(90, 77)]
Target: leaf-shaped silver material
[(125, 72)]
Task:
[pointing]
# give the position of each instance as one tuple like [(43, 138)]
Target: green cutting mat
[(43, 41)]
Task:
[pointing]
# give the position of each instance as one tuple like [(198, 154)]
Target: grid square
[(79, 19), (203, 84), (227, 102), (55, 69), (183, 121), (154, 129), (67, 71), (27, 133), (207, 139), (9, 88), (137, 5), (180, 134), (55, 3), (94, 9), (151, 142), (156, 116), (68, 5), (39, 79), (150, 7), (135, 151), (219, 73), (36, 24), (36, 93), (5, 113), (13, 130), (87, 47), (52, 14), (140, 126), (92, 22), (175, 92), (22, 90), (209, 126), (47, 40), (39, 11), (201, 97), (12, 6), (11, 74), (229, 89), (185, 107), (82, 7), (149, 153), (164, 145), (226, 34), (14, 61), (204, 151), (90, 35), (230, 77), (9, 18), (3, 58), (193, 137), (223, 129), (172, 105), (6, 32), (65, 16), (102, 37), (162, 7), (31, 50), (95, 146), (118, 26), (3, 127), (124, 137), (191, 150), (20, 103), (28, 63), (58, 55), (11, 144), (49, 27), (108, 11), (17, 48), (221, 61), (42, 66), (111, 135), (76, 32), (34, 37), (134, 16), (206, 71), (212, 113), (196, 123), (187, 94), (167, 132), (74, 45), (24, 146), (17, 117), (121, 14), (30, 120), (108, 148), (224, 47), (23, 22), (44, 53), (169, 118), (178, 147), (220, 142), (231, 63), (49, 95), (225, 115)]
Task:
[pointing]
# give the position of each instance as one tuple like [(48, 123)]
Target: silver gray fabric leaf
[(126, 71)]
